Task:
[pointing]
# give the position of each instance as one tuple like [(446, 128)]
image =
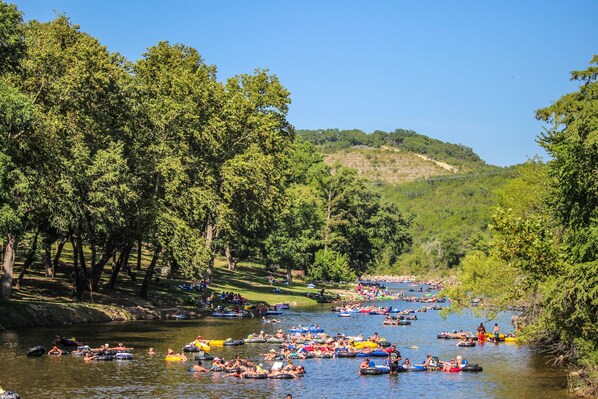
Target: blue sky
[(469, 72)]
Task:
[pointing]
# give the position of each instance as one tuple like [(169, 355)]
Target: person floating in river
[(200, 368)]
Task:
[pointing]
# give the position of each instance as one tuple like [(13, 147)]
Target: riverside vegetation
[(110, 169)]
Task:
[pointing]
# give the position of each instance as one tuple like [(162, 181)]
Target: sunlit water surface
[(510, 371)]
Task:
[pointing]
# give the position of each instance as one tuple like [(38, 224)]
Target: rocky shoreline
[(36, 314)]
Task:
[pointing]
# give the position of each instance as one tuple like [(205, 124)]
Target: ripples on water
[(510, 371)]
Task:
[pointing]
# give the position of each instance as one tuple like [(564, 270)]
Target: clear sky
[(468, 72)]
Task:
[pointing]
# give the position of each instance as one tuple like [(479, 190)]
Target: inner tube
[(217, 369), (370, 371), (282, 376), (123, 356), (403, 323), (234, 342), (231, 371), (384, 344), (36, 351), (56, 353), (190, 348), (384, 369), (414, 367), (173, 358), (466, 344), (10, 395), (103, 357), (262, 376), (205, 356), (472, 367), (345, 354)]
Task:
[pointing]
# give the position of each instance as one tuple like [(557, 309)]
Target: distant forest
[(329, 140)]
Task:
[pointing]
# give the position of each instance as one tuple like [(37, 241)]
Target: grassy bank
[(50, 301)]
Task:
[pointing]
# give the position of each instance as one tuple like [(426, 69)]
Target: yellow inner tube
[(173, 358), (363, 344), (216, 342), (202, 346), (511, 339)]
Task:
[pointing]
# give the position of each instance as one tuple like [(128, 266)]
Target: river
[(510, 371)]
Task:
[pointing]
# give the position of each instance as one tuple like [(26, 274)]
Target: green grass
[(250, 280)]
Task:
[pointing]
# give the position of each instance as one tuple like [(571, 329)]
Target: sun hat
[(272, 350)]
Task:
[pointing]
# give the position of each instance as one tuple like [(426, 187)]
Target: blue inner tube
[(104, 357), (36, 351), (414, 367), (282, 376), (384, 369)]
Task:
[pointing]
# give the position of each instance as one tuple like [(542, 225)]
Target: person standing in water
[(496, 333), (481, 332)]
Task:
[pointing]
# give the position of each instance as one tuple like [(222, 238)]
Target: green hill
[(448, 190), (440, 157)]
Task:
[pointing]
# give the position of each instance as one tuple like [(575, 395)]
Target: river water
[(510, 371)]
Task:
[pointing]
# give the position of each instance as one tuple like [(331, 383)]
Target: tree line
[(158, 155), (543, 252)]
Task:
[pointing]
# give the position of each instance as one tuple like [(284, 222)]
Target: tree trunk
[(59, 248), (232, 261), (48, 259), (10, 252), (139, 254), (149, 273), (128, 267), (81, 255), (174, 266), (209, 273), (289, 274), (92, 280), (124, 257), (93, 255), (28, 261), (98, 269), (76, 270)]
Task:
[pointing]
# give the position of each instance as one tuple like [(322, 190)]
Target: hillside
[(438, 154), (450, 214), (448, 191), (388, 165)]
